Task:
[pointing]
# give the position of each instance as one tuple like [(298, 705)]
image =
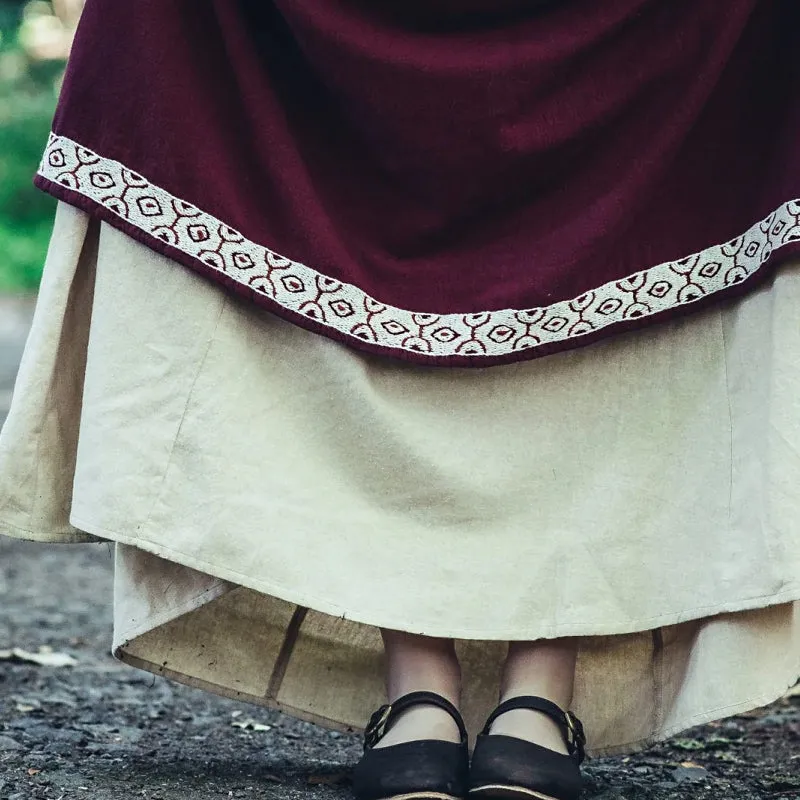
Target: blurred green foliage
[(28, 94)]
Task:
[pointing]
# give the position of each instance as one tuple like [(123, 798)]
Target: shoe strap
[(571, 726), (385, 716)]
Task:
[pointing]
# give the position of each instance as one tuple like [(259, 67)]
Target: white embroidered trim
[(350, 311)]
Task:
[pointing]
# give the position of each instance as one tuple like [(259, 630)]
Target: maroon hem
[(98, 211)]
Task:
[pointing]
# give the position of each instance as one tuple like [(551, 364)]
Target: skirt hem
[(71, 536), (624, 748), (326, 607)]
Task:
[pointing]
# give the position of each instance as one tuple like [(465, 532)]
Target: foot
[(421, 722), (532, 726)]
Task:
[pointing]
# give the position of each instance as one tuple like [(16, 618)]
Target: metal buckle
[(577, 736), (571, 726), (377, 726)]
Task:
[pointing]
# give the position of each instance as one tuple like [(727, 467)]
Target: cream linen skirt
[(275, 495)]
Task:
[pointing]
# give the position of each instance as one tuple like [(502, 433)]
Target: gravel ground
[(104, 731)]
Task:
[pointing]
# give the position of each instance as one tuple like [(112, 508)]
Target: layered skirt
[(275, 497)]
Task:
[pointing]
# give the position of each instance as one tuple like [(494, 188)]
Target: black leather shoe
[(508, 767), (426, 769)]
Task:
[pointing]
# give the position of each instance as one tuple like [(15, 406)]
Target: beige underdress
[(275, 495)]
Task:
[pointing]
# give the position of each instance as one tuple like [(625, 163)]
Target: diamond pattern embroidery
[(352, 313)]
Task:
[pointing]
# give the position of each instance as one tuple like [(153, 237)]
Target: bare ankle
[(419, 663), (545, 668)]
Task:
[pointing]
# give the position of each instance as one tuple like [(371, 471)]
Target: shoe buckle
[(577, 738), (377, 726)]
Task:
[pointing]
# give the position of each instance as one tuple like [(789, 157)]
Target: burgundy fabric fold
[(451, 182)]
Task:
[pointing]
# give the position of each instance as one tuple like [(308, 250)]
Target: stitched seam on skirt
[(58, 532), (76, 535), (312, 602), (658, 678), (286, 651), (189, 395)]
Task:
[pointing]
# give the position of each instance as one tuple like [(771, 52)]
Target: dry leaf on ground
[(250, 725), (44, 658)]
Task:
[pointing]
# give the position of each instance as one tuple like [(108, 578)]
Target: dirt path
[(103, 731)]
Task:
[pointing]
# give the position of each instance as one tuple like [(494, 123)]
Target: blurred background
[(35, 40)]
